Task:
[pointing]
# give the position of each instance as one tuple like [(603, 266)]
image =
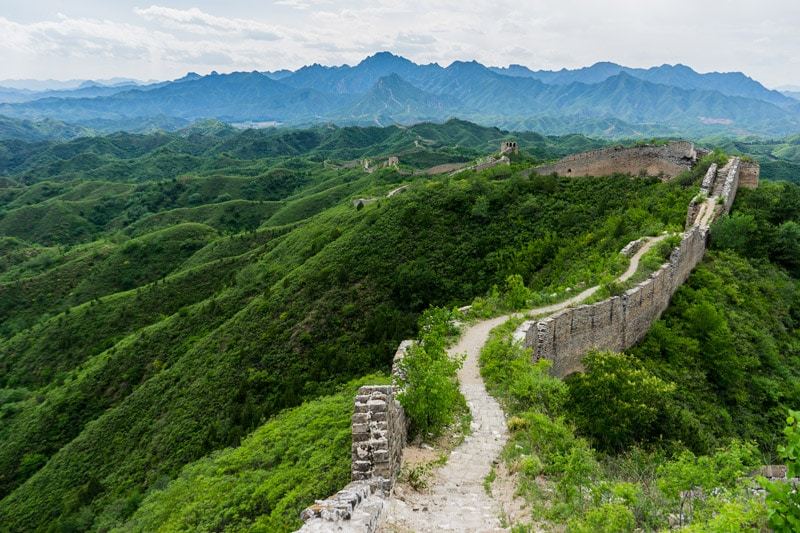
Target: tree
[(616, 400), (430, 394), (783, 502), (786, 250)]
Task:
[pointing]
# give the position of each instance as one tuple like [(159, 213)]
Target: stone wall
[(667, 161), (707, 185), (620, 322), (379, 427), (379, 435), (706, 190), (731, 183), (615, 323), (749, 173)]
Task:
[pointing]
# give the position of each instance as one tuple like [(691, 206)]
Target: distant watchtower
[(509, 147)]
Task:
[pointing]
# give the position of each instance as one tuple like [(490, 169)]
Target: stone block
[(377, 405), (362, 466), (360, 418)]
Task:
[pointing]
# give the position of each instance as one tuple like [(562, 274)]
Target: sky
[(98, 39)]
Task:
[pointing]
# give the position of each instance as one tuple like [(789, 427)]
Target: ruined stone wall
[(731, 183), (616, 323), (621, 321), (379, 428), (665, 160), (706, 190), (379, 434), (707, 185), (749, 174)]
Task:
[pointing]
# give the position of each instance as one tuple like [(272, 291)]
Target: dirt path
[(456, 499)]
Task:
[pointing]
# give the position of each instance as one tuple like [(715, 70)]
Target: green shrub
[(783, 502), (608, 518), (616, 400), (430, 394)]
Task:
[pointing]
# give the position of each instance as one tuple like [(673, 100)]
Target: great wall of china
[(667, 160), (565, 337)]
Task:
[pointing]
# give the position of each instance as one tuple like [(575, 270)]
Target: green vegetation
[(783, 502), (183, 316), (779, 158), (262, 484), (674, 426), (430, 394), (177, 303)]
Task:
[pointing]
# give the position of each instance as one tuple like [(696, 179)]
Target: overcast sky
[(106, 38)]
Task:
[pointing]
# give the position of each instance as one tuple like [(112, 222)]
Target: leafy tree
[(787, 246), (682, 478), (783, 501), (616, 400), (430, 394)]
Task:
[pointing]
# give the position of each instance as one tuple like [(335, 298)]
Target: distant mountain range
[(605, 99)]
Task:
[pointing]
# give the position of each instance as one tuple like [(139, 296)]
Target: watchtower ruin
[(509, 147)]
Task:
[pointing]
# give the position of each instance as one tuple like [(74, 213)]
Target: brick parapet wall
[(616, 323), (667, 160)]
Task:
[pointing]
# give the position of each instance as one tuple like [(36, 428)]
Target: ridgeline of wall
[(621, 321), (667, 160), (379, 423)]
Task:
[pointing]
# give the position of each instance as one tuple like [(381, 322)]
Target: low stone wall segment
[(666, 160), (379, 427)]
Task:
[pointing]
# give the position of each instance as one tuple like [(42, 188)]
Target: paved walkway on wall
[(456, 499), (706, 213)]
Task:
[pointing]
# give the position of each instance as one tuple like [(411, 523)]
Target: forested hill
[(168, 302), (163, 295), (213, 147)]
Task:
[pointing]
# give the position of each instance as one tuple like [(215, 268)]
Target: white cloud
[(165, 41), (195, 21)]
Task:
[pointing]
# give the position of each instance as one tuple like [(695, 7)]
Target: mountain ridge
[(670, 99)]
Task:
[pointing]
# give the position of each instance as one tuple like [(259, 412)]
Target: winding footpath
[(456, 499)]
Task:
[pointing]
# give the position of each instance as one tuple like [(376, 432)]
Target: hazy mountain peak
[(384, 59)]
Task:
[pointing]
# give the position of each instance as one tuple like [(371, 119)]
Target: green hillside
[(178, 314), (184, 316), (779, 158)]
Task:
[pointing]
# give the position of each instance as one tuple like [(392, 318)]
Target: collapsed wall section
[(667, 160)]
